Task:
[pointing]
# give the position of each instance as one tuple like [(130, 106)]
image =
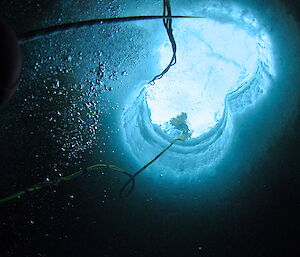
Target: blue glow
[(212, 60), (222, 68)]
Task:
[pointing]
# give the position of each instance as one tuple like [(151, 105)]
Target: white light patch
[(213, 59)]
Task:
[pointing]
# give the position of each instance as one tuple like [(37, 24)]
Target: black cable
[(32, 35), (45, 32), (167, 20), (167, 13)]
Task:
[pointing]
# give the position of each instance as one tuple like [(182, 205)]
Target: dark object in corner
[(10, 62)]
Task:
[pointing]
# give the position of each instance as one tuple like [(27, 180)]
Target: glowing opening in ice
[(224, 64), (213, 59)]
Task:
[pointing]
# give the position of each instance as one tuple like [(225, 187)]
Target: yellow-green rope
[(72, 176), (124, 192)]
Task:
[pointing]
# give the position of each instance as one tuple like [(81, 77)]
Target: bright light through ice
[(213, 59)]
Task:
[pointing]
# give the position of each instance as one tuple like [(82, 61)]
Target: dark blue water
[(64, 117)]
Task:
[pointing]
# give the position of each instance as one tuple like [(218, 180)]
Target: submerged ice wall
[(223, 64)]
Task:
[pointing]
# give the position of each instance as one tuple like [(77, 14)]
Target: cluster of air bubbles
[(66, 96), (68, 93)]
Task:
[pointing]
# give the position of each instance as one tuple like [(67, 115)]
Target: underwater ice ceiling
[(234, 86), (213, 60), (223, 65)]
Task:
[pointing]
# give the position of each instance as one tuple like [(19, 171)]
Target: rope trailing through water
[(49, 31), (167, 13), (125, 191), (167, 21), (70, 177), (166, 17)]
